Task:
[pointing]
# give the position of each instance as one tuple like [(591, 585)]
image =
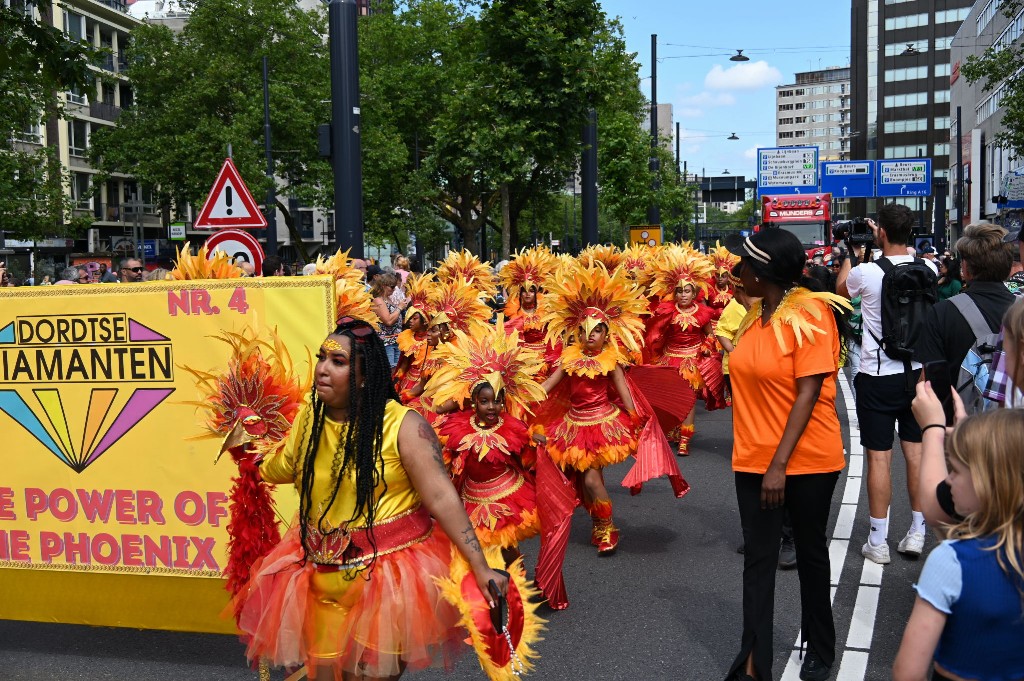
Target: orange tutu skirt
[(503, 511), (588, 440), (376, 621)]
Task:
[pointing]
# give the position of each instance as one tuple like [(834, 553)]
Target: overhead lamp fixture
[(911, 50), (732, 137), (739, 56), (726, 172)]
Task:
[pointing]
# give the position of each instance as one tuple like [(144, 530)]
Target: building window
[(78, 137), (942, 96), (914, 125), (909, 151), (74, 26), (912, 73), (81, 193), (785, 107), (909, 21), (785, 121), (1011, 32), (33, 134), (896, 2), (943, 43), (941, 122), (948, 16), (800, 119), (785, 135), (910, 99), (896, 49), (800, 133), (785, 93), (941, 149), (799, 92), (943, 69), (987, 15), (800, 105)]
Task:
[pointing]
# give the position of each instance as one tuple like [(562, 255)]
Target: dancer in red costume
[(489, 448), (412, 342), (524, 279), (720, 290), (680, 334)]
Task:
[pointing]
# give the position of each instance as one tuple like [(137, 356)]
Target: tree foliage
[(37, 62), (999, 65)]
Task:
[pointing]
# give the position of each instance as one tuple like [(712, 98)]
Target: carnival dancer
[(350, 591), (523, 279), (491, 377), (720, 292), (454, 305), (412, 342), (463, 265), (679, 334)]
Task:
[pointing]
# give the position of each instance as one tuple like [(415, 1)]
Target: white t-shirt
[(865, 280)]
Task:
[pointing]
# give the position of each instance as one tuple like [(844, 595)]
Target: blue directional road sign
[(787, 170), (848, 179), (909, 177)]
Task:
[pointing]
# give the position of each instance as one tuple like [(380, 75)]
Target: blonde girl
[(968, 620)]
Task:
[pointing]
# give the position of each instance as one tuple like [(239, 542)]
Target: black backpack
[(909, 290)]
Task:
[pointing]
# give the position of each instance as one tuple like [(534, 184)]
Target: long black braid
[(361, 447)]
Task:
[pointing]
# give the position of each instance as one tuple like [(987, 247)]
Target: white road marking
[(853, 667), (844, 522), (851, 493), (862, 625)]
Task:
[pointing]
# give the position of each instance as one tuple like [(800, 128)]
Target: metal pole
[(272, 186), (346, 151), (653, 212), (679, 223), (920, 201), (588, 170), (959, 172)]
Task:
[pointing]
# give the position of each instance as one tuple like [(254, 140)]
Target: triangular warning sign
[(230, 204)]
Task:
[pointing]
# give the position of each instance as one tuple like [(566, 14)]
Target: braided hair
[(361, 445)]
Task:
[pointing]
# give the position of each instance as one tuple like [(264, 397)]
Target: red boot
[(605, 535), (685, 435)]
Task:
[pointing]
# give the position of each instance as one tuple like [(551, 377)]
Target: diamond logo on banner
[(230, 204)]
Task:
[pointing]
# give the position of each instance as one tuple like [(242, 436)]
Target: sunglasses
[(137, 270), (357, 327)]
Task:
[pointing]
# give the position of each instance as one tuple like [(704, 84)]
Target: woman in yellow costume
[(524, 279), (350, 591), (679, 333), (491, 378)]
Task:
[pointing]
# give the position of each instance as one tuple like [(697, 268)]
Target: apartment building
[(815, 111)]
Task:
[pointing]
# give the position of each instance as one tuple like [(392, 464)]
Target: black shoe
[(814, 668), (787, 555)]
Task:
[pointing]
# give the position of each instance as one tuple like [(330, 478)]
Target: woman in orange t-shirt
[(787, 445)]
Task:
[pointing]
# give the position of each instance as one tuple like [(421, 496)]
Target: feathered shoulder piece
[(580, 297), (800, 309), (681, 266), (493, 358), (203, 265), (638, 261), (417, 289), (530, 267), (609, 256), (456, 303), (464, 265), (722, 259)]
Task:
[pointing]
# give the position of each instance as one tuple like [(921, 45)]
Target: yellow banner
[(101, 468)]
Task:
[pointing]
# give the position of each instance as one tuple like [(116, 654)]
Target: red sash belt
[(352, 547)]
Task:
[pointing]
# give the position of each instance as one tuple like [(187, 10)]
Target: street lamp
[(739, 56), (732, 137)]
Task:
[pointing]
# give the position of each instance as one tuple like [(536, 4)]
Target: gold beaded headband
[(331, 345)]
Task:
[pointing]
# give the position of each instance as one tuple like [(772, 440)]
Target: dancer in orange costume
[(720, 291), (412, 342), (679, 334), (524, 279), (491, 377)]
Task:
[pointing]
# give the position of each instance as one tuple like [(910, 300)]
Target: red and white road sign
[(237, 243), (230, 204)]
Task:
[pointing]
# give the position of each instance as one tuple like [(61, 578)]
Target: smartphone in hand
[(499, 613), (938, 374)]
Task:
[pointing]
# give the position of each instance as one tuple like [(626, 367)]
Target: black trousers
[(808, 501)]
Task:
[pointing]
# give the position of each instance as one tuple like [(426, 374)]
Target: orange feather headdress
[(203, 265), (722, 259), (465, 265), (679, 266), (460, 305)]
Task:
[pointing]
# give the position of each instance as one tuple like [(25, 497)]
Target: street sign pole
[(346, 151)]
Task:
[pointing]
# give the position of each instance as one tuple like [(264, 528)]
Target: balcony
[(121, 214), (104, 111), (119, 5)]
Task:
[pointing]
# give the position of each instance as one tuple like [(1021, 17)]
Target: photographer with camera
[(896, 291)]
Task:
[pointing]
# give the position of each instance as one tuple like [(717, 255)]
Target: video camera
[(855, 232)]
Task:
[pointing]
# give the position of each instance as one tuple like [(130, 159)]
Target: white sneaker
[(877, 554), (912, 545)]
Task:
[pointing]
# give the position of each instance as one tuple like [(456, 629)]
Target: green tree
[(999, 65), (198, 91), (37, 62)]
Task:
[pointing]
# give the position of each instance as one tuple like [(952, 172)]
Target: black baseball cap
[(774, 250), (372, 271)]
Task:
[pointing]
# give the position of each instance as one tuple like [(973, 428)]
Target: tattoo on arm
[(427, 433), (469, 538)]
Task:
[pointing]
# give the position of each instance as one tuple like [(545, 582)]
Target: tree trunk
[(506, 222), (289, 221)]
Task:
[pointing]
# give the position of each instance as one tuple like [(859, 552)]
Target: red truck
[(808, 216)]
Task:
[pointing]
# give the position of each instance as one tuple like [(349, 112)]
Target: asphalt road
[(667, 605)]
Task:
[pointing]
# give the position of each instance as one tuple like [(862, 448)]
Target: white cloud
[(745, 76), (750, 153), (707, 99), (689, 112)]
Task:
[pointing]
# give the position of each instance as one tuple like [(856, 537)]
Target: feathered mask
[(493, 358), (582, 297)]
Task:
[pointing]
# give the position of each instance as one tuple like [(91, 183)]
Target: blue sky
[(712, 96)]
